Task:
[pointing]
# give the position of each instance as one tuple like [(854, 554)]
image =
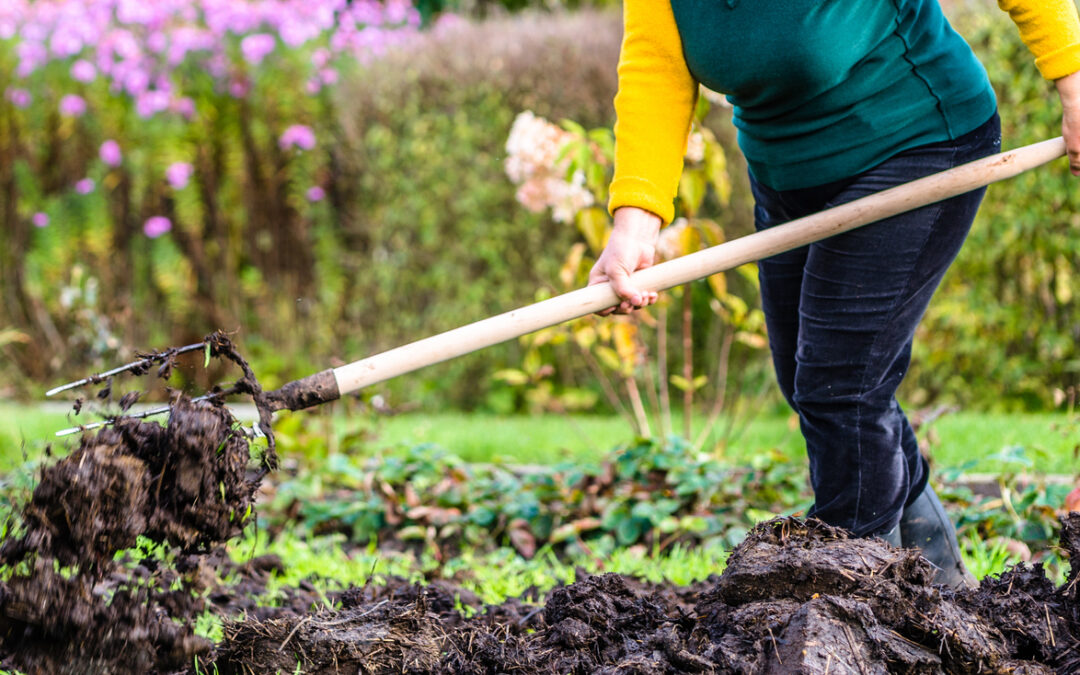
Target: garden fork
[(333, 383)]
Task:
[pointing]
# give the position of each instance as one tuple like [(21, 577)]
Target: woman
[(833, 100)]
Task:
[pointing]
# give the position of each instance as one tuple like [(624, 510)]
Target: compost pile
[(70, 605), (796, 597)]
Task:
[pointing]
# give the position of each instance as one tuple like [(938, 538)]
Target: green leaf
[(206, 357), (511, 376), (691, 192)]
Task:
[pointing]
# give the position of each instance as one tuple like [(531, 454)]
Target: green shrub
[(1004, 329)]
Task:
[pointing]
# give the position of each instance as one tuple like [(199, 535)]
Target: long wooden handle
[(728, 255)]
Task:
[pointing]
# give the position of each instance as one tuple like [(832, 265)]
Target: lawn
[(1048, 441)]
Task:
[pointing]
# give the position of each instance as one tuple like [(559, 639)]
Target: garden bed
[(796, 596)]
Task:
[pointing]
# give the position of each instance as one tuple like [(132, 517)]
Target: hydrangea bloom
[(155, 226), (85, 186), (40, 219), (532, 161), (315, 194), (297, 136), (178, 174), (110, 153)]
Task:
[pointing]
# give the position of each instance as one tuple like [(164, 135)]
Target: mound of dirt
[(70, 606), (796, 597)]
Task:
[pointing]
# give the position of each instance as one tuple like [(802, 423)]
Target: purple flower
[(155, 226), (83, 71), (256, 47), (298, 136), (328, 76), (239, 88), (315, 194), (20, 98), (320, 57), (40, 219), (72, 105), (136, 80), (85, 186), (157, 42), (178, 174), (32, 55), (184, 106), (110, 153), (150, 103)]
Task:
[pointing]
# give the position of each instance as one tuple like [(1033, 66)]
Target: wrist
[(634, 220), (1068, 89)]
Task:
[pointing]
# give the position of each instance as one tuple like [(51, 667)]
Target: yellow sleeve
[(1051, 30), (653, 108)]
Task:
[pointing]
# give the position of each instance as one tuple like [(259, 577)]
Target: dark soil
[(70, 606), (796, 597)]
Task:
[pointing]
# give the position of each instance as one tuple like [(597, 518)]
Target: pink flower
[(72, 105), (155, 226), (110, 153), (85, 186), (40, 219), (149, 103), (298, 136), (328, 76), (83, 71), (315, 194), (239, 88), (184, 106), (178, 174), (20, 98), (320, 57), (256, 47), (157, 42)]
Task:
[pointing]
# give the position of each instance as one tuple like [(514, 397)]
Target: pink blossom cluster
[(532, 162), (135, 45)]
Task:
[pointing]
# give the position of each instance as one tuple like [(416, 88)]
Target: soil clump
[(796, 597), (69, 605)]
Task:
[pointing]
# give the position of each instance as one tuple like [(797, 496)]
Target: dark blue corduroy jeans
[(841, 315)]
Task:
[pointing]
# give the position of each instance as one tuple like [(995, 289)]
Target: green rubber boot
[(927, 527)]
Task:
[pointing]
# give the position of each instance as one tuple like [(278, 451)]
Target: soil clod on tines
[(69, 605)]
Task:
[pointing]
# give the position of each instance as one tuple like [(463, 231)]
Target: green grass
[(493, 576), (959, 438)]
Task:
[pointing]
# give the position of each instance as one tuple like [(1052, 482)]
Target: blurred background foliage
[(415, 227)]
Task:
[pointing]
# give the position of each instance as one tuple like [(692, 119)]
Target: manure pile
[(68, 605), (796, 596)]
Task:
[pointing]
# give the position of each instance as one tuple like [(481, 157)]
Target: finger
[(620, 283)]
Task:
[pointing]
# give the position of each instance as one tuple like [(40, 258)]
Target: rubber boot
[(925, 526), (892, 537)]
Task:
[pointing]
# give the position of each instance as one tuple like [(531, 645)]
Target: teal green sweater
[(825, 89)]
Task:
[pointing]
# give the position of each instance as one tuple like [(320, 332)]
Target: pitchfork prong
[(148, 360), (144, 414)]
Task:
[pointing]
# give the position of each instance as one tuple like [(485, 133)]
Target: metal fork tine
[(142, 415), (153, 358)]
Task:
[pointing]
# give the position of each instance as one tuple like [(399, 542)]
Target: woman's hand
[(632, 247), (1069, 90)]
